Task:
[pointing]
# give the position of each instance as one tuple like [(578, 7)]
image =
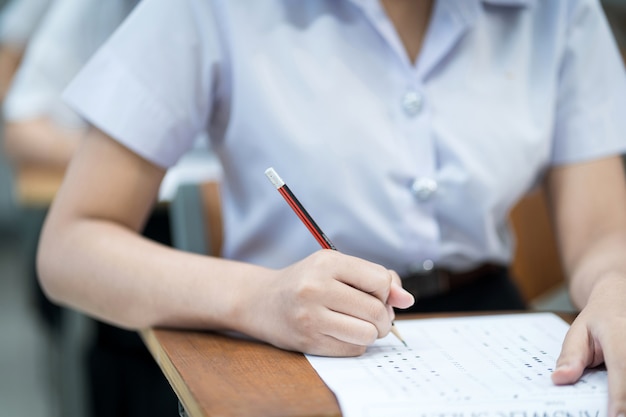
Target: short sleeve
[(19, 20), (590, 115), (67, 37), (151, 85)]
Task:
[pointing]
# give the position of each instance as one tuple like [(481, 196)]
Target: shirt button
[(422, 267), (412, 102), (428, 265), (424, 188)]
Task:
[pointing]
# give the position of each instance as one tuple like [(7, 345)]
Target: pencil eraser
[(274, 178)]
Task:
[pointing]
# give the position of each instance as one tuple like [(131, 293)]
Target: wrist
[(609, 288), (243, 297)]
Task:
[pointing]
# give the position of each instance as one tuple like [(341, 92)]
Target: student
[(40, 129), (407, 128)]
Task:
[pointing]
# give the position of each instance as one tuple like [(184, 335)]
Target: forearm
[(589, 206), (588, 202), (10, 58), (40, 142), (120, 277), (600, 268)]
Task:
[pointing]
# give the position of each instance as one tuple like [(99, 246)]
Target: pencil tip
[(396, 333)]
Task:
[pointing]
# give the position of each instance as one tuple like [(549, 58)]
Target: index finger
[(614, 350), (358, 273)]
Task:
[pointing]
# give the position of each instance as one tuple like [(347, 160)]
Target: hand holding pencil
[(325, 243)]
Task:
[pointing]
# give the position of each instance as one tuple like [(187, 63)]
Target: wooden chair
[(536, 267), (196, 218)]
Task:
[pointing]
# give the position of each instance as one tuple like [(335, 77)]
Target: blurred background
[(25, 377), (36, 377)]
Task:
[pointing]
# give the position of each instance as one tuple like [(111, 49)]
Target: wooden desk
[(216, 375)]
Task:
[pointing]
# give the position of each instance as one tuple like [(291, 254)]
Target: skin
[(410, 19), (10, 58), (40, 142), (36, 141)]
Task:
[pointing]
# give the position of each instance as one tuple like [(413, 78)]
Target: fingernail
[(404, 290), (564, 366), (400, 287)]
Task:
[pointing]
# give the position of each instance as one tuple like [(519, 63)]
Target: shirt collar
[(504, 3), (509, 3), (452, 18)]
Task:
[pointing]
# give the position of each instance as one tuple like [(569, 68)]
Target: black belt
[(425, 284)]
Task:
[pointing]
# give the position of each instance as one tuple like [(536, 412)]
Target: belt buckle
[(428, 283), (444, 281)]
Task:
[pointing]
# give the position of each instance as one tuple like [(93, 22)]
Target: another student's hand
[(599, 335), (327, 304)]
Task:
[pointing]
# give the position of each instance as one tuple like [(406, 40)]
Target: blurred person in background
[(18, 20), (41, 131)]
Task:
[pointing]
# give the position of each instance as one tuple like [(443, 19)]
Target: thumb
[(398, 296), (577, 353)]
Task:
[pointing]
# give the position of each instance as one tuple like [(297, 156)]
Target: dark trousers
[(125, 380), (493, 292)]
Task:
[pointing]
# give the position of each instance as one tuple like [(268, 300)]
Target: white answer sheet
[(481, 366)]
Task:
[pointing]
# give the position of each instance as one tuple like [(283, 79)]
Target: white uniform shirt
[(19, 20), (400, 164), (69, 34)]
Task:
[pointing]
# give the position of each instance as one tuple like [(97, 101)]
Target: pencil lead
[(396, 333)]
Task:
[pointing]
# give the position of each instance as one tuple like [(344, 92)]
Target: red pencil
[(293, 202), (308, 221)]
